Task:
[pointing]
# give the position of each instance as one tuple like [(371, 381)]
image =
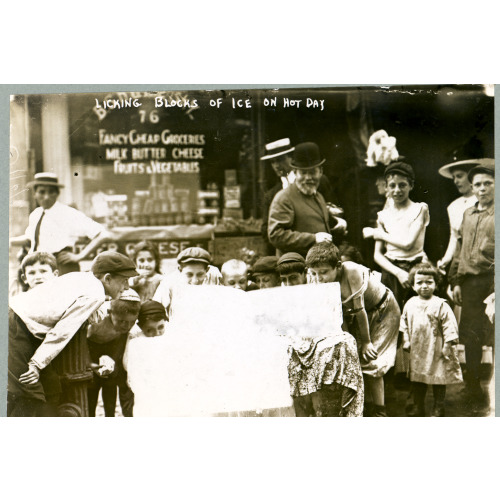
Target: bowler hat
[(277, 148), (265, 265), (194, 254), (307, 155), (400, 167), (291, 257), (45, 179), (114, 263), (485, 166)]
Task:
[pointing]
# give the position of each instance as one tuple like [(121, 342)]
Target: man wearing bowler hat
[(279, 155), (54, 227), (299, 215)]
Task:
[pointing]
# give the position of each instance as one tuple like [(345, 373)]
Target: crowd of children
[(401, 304)]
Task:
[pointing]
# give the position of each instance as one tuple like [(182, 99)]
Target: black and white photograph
[(261, 252)]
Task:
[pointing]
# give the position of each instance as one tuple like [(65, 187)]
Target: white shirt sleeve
[(63, 331)]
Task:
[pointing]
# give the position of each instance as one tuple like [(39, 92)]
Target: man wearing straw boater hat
[(299, 215), (279, 155), (54, 227)]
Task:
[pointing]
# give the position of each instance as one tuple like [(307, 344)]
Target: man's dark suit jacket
[(325, 188), (294, 220)]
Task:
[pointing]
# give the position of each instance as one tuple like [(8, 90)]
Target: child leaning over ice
[(235, 274), (193, 269), (107, 339), (141, 359), (371, 315), (430, 333)]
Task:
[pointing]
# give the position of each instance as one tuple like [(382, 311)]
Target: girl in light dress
[(430, 335)]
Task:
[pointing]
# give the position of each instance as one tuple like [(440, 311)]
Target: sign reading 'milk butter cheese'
[(164, 152)]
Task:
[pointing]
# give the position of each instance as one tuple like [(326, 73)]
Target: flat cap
[(291, 257), (400, 167), (265, 265), (129, 295), (115, 263), (151, 308), (486, 166), (194, 254)]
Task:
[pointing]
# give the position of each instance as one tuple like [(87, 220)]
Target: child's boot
[(438, 410), (439, 395), (368, 409), (419, 391), (379, 411)]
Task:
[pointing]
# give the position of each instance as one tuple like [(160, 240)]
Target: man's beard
[(307, 189)]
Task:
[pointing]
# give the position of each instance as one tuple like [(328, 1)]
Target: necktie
[(37, 232)]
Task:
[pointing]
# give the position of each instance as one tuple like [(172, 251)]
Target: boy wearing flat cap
[(265, 274), (292, 269), (193, 269), (472, 274), (42, 322)]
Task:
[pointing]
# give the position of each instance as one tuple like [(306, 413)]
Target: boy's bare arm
[(388, 266), (101, 238)]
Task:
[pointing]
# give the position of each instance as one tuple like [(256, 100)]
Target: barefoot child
[(430, 333), (371, 315), (38, 267), (147, 260)]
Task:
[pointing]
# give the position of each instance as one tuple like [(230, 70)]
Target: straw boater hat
[(277, 148), (465, 157), (45, 179), (465, 165), (307, 155)]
